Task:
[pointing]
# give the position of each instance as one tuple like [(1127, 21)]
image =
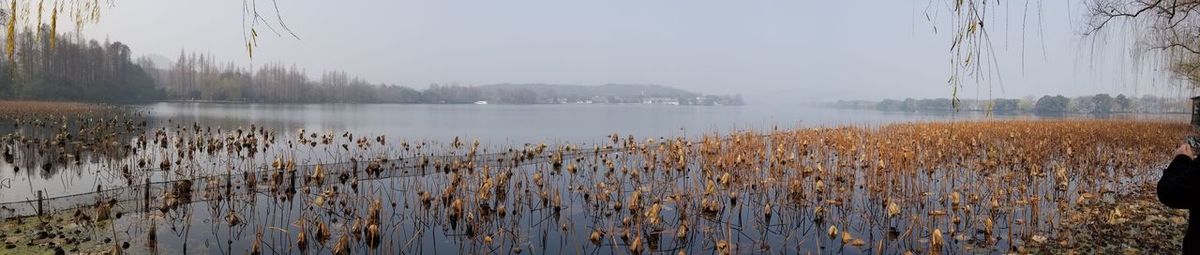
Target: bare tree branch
[(1177, 45)]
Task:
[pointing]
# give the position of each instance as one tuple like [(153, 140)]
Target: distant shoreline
[(402, 103)]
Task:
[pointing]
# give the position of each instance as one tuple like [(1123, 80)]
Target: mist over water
[(616, 127), (494, 126), (518, 124)]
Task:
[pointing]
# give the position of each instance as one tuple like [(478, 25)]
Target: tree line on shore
[(199, 77), (72, 68), (1099, 104)]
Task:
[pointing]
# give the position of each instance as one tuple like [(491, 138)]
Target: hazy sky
[(766, 50)]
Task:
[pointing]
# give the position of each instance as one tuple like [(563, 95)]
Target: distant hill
[(606, 90), (114, 77), (156, 61), (195, 77), (539, 93)]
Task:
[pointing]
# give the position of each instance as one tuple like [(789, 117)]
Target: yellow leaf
[(96, 11), (12, 30), (39, 18), (53, 27)]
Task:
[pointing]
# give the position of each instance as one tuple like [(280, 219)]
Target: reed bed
[(23, 109), (943, 187)]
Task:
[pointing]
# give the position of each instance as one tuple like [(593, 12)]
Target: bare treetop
[(1165, 30), (44, 14)]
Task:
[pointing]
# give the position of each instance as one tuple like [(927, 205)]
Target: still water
[(556, 224), (496, 127), (517, 124)]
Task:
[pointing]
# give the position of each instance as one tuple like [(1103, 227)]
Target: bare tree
[(972, 57), (45, 14), (1165, 30)]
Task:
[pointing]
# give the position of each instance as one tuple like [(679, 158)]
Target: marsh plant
[(941, 187)]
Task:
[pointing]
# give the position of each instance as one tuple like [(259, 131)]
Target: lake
[(517, 124), (206, 177), (495, 126)]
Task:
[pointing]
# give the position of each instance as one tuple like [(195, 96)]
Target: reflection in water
[(278, 179), (519, 124), (59, 147)]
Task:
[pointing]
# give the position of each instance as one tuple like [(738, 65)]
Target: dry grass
[(20, 109), (1131, 223), (950, 187)]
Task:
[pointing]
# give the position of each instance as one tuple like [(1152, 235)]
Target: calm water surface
[(496, 126), (517, 124), (200, 228)]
